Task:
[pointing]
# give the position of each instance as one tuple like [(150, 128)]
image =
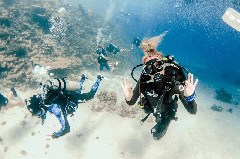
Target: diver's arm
[(190, 106), (135, 96), (103, 56)]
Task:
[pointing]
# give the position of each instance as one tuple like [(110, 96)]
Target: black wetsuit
[(112, 48), (3, 101), (152, 93), (136, 41), (61, 103)]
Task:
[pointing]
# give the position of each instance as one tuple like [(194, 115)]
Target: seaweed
[(20, 52), (9, 2), (5, 22), (4, 36), (38, 16), (3, 69), (223, 95)]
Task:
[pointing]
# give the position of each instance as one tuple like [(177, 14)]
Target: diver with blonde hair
[(11, 100), (160, 80)]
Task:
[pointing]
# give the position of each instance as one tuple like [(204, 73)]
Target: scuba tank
[(62, 84)]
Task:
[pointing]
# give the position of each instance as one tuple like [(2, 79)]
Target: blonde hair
[(152, 43), (151, 47)]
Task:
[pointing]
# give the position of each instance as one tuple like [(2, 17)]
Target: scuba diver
[(111, 48), (102, 58), (159, 81), (11, 101), (136, 42), (61, 98)]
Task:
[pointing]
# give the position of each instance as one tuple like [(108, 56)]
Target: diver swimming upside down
[(60, 101)]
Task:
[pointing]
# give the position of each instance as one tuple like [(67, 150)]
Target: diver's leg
[(101, 66), (83, 78), (91, 94), (107, 66), (56, 110), (160, 129)]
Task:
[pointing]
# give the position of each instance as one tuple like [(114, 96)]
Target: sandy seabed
[(95, 135)]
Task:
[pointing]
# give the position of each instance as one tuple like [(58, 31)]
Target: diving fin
[(232, 18)]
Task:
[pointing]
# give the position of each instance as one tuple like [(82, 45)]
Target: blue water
[(197, 36)]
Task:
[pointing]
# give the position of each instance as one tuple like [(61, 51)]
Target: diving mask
[(153, 66)]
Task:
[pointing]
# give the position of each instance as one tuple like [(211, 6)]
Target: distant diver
[(161, 78), (102, 58), (136, 42), (11, 101), (111, 48), (61, 98)]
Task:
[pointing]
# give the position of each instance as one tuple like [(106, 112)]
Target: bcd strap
[(64, 83), (145, 118), (59, 84)]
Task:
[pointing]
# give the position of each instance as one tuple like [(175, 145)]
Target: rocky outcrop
[(46, 33)]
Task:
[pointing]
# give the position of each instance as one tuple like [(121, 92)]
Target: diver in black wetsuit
[(111, 48), (160, 79), (136, 42), (102, 58), (60, 102)]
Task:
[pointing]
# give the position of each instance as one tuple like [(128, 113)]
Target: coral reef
[(223, 95), (48, 33), (217, 108), (108, 102)]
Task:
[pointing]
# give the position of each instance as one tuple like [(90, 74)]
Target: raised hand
[(127, 89), (189, 86)]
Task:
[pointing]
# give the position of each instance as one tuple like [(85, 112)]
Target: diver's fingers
[(130, 85), (191, 79), (189, 76), (125, 81), (122, 85), (196, 82)]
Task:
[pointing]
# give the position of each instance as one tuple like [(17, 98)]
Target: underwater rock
[(3, 123), (1, 140), (79, 135), (24, 153), (47, 146), (223, 95), (5, 149), (230, 110), (217, 108), (23, 123)]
